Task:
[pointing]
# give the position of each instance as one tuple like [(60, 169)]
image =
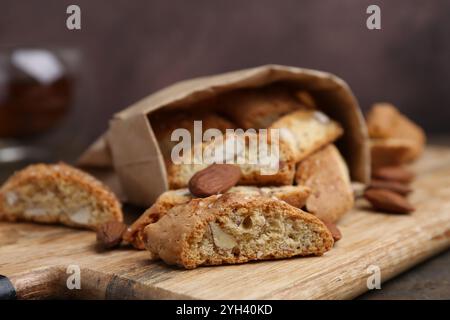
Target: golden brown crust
[(393, 152), (53, 176), (395, 139), (385, 121), (258, 108), (164, 203), (199, 232), (306, 131), (326, 173), (293, 195)]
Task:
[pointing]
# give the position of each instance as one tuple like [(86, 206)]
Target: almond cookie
[(58, 193), (271, 169), (235, 228), (164, 203), (395, 138), (259, 108), (293, 195), (326, 174), (164, 123), (306, 131), (393, 152), (385, 121)]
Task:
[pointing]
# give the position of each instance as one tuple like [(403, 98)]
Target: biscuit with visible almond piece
[(234, 228), (293, 195), (275, 167), (58, 193)]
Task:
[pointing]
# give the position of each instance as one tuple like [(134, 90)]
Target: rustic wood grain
[(35, 257)]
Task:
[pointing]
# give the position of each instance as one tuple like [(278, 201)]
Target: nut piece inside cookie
[(221, 239)]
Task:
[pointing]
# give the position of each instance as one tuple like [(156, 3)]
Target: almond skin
[(398, 174), (394, 186), (110, 234), (217, 178), (388, 201), (335, 232)]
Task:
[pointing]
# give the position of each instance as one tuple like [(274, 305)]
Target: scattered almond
[(386, 200), (110, 234), (397, 173), (394, 186), (217, 178), (335, 232)]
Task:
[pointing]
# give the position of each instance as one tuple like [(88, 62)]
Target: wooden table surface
[(427, 280)]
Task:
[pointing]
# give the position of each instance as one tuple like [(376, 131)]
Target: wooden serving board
[(36, 257)]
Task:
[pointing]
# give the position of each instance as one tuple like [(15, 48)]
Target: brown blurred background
[(132, 48)]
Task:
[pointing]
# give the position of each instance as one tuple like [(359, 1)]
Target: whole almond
[(335, 232), (110, 234), (394, 186), (398, 174), (217, 178), (388, 201)]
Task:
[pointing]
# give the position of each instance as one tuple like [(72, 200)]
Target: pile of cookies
[(303, 129), (212, 214), (232, 213)]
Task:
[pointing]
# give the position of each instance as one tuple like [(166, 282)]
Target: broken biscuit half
[(235, 228), (58, 193), (294, 195), (325, 173)]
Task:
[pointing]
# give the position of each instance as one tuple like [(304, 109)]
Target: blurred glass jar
[(35, 92)]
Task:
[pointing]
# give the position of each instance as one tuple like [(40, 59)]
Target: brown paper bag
[(130, 150)]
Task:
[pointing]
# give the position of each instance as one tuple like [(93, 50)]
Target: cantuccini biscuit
[(395, 139), (164, 203), (293, 195), (266, 169), (306, 131), (259, 108), (57, 193), (392, 152), (163, 124), (326, 174), (385, 121), (235, 228)]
